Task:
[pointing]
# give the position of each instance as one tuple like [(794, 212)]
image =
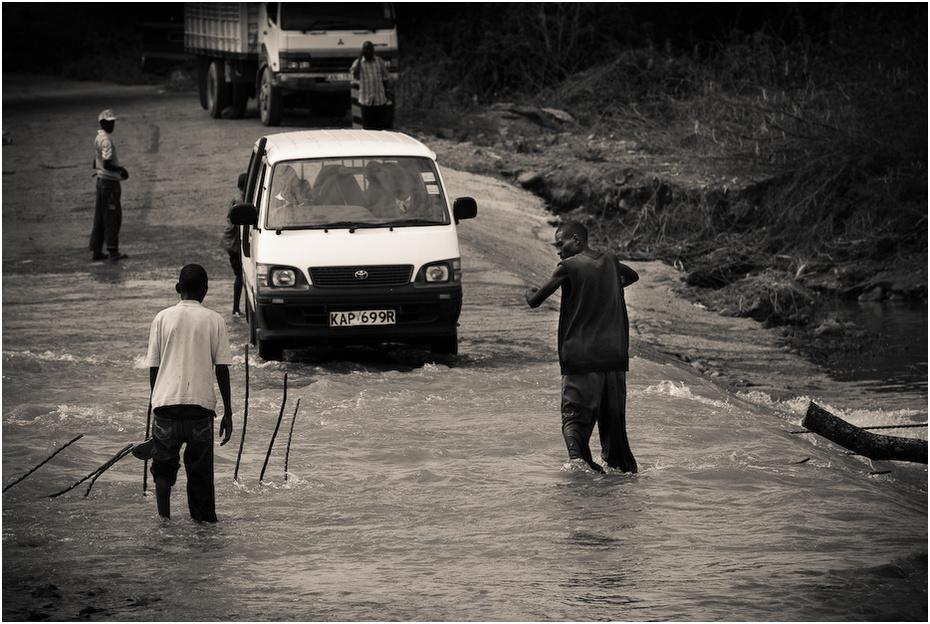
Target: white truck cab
[(348, 236)]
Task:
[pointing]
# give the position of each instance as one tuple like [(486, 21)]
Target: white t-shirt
[(186, 342)]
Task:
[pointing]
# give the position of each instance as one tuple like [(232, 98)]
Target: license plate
[(337, 77), (361, 317)]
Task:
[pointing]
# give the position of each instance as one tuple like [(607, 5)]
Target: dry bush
[(771, 297)]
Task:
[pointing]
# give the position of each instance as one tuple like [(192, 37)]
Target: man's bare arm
[(535, 296), (222, 379)]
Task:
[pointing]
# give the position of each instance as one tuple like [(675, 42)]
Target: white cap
[(107, 115)]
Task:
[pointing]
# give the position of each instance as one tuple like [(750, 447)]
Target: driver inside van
[(289, 192), (291, 188)]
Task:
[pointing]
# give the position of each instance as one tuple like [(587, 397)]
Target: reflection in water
[(899, 359)]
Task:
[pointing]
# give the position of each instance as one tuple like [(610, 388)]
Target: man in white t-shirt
[(188, 348)]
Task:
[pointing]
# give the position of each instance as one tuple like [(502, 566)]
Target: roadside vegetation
[(776, 166)]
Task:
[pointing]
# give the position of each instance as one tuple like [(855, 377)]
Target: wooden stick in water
[(43, 462), (276, 427), (289, 436), (145, 464), (123, 453), (245, 414), (107, 464)]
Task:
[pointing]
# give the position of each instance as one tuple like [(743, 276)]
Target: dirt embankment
[(621, 189)]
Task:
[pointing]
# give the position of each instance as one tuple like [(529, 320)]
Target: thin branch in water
[(289, 436), (43, 462), (276, 427), (107, 464)]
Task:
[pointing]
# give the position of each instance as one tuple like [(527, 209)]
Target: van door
[(254, 195)]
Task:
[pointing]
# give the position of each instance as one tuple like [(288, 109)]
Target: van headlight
[(445, 272), (271, 276), (283, 278), (436, 273)]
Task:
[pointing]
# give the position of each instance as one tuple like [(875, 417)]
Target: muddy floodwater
[(417, 487)]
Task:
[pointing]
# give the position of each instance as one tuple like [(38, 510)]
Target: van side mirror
[(464, 208), (243, 214)]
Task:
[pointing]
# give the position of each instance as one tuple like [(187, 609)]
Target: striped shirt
[(372, 75)]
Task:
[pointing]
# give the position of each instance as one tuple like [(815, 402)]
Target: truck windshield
[(355, 192), (305, 16)]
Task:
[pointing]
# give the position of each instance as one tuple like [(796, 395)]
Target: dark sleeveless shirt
[(594, 331)]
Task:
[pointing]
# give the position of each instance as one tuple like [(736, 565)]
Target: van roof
[(342, 143)]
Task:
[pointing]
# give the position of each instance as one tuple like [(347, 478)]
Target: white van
[(348, 237)]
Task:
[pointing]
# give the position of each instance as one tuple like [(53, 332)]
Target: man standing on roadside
[(371, 75), (108, 214), (594, 338), (188, 347)]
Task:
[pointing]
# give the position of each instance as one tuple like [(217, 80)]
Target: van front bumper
[(304, 318)]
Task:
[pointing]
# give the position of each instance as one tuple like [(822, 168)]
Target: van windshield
[(355, 192)]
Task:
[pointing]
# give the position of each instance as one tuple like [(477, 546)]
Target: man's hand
[(226, 426), (123, 173), (530, 293)]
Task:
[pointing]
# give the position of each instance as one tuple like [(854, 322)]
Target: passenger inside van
[(336, 186)]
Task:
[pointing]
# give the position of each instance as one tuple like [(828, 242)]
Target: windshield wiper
[(403, 222), (351, 225)]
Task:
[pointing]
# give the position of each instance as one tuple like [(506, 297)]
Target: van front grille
[(355, 276)]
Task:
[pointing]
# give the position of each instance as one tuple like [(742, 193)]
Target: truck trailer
[(284, 54)]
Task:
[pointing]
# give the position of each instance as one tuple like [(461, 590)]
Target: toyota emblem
[(361, 274)]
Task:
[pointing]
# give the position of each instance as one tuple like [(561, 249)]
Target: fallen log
[(865, 443)]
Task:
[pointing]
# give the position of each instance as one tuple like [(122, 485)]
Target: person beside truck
[(375, 91)]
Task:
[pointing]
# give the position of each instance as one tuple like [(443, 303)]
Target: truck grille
[(301, 62), (355, 276), (331, 65)]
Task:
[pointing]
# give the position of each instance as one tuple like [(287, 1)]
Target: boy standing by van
[(188, 348), (593, 346)]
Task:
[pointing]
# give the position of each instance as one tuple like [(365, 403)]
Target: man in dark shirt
[(594, 337)]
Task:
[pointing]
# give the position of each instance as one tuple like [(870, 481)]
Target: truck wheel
[(218, 90), (445, 345), (203, 65), (270, 103)]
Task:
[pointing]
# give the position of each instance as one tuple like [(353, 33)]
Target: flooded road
[(417, 488)]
